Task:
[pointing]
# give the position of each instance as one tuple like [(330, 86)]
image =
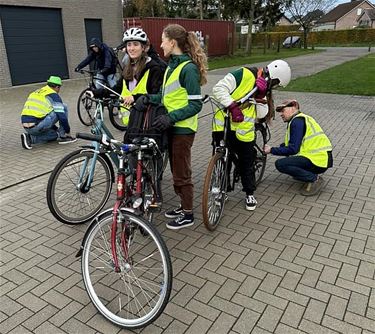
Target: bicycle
[(81, 183), (86, 107), (220, 176), (126, 266)]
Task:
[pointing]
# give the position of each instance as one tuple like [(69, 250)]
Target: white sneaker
[(251, 203)]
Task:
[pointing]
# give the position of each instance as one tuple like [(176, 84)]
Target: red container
[(217, 35)]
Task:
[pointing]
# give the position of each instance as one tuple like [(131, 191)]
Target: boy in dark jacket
[(105, 63)]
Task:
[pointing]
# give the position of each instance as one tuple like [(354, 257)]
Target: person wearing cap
[(105, 62), (42, 110), (307, 148), (241, 136)]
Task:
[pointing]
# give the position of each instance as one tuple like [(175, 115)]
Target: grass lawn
[(356, 77), (257, 56)]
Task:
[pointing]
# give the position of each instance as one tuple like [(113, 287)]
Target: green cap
[(55, 80)]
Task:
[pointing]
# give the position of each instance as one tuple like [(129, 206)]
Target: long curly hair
[(188, 42)]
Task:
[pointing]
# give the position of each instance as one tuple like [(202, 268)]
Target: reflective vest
[(140, 88), (37, 104), (244, 130), (176, 97), (315, 143)]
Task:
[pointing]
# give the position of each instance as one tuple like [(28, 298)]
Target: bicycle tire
[(214, 191), (85, 109), (261, 158), (69, 202), (115, 118), (144, 281)]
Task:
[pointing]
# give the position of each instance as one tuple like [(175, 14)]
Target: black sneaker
[(26, 141), (251, 202), (66, 140), (183, 220), (174, 213)]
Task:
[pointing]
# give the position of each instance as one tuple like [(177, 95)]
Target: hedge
[(329, 37)]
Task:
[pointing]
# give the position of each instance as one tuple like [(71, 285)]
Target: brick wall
[(349, 20), (73, 14)]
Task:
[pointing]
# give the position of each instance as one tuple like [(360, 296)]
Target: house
[(344, 16), (41, 38), (284, 21), (367, 18)]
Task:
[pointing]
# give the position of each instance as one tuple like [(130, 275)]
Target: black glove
[(142, 102), (77, 69), (162, 122)]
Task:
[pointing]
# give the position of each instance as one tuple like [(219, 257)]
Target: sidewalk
[(295, 265)]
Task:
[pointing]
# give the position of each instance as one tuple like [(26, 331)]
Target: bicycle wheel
[(261, 158), (85, 109), (214, 191), (69, 197), (115, 116), (138, 292)]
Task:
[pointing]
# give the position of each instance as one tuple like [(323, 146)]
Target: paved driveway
[(295, 265)]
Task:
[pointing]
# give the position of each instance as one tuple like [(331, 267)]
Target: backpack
[(140, 125)]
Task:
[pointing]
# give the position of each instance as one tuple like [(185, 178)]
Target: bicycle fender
[(94, 222)]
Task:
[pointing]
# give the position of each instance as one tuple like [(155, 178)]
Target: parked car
[(292, 41)]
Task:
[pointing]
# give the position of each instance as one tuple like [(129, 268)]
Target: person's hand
[(142, 103), (77, 69), (162, 122), (128, 100), (261, 84), (267, 149), (235, 111)]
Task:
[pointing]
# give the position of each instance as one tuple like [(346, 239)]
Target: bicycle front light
[(137, 203)]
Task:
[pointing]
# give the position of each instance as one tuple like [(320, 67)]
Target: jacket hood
[(96, 41)]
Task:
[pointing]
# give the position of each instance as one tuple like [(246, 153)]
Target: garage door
[(34, 42)]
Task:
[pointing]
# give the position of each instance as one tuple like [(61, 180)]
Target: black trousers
[(246, 154)]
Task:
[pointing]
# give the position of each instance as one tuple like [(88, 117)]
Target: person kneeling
[(42, 110), (307, 149)]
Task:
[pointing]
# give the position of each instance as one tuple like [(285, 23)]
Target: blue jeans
[(110, 79), (46, 130), (300, 168)]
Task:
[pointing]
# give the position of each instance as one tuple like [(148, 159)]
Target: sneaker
[(174, 213), (66, 140), (312, 188), (183, 220), (251, 203), (26, 141)]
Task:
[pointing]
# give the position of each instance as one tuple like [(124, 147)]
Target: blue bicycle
[(81, 183)]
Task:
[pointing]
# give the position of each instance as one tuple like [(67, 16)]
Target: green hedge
[(329, 37)]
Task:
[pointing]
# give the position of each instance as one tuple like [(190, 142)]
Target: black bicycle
[(223, 171), (86, 106)]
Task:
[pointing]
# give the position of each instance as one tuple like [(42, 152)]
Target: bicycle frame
[(98, 128)]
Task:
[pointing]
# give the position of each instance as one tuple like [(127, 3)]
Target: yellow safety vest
[(315, 143), (244, 130), (176, 97), (37, 104), (140, 88)]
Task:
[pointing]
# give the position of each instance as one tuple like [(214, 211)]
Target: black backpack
[(140, 125)]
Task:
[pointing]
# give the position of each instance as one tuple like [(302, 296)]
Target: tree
[(301, 12), (153, 8)]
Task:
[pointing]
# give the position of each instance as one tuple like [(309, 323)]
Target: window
[(359, 11)]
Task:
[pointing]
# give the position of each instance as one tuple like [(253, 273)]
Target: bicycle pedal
[(154, 207)]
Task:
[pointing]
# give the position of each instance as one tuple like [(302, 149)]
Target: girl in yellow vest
[(141, 74), (181, 96), (307, 149), (241, 137)]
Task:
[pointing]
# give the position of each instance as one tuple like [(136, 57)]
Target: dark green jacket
[(190, 80)]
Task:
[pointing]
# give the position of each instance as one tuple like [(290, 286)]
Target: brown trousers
[(180, 162)]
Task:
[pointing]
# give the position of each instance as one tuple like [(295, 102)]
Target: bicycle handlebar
[(144, 143)]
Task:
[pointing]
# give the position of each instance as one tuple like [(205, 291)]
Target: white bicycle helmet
[(135, 34), (279, 69)]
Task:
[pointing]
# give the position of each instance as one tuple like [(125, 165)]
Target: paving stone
[(336, 307), (293, 315)]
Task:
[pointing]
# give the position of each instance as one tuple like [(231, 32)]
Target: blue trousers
[(46, 130), (300, 168)]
